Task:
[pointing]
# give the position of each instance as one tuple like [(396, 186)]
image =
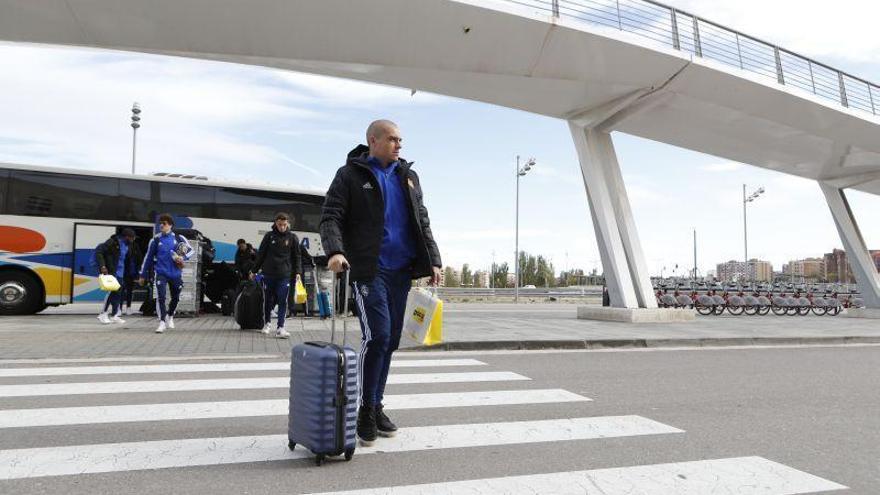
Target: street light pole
[(746, 200), (135, 124), (519, 173)]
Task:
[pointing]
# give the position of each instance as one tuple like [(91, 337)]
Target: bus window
[(136, 201), (4, 179), (307, 215), (187, 199), (242, 204), (66, 196)]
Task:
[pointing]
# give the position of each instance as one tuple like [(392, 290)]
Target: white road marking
[(135, 456), (91, 388), (25, 418), (209, 367), (741, 475)]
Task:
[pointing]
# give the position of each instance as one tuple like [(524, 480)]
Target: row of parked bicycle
[(760, 304)]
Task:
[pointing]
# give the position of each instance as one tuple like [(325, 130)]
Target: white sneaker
[(266, 329), (171, 322), (117, 319), (161, 328), (281, 333), (103, 318), (128, 311)]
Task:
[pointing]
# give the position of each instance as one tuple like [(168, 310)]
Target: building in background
[(760, 271), (738, 271), (481, 279), (837, 268), (809, 270), (732, 271)]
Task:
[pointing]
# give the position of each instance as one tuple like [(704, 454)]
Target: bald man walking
[(375, 222)]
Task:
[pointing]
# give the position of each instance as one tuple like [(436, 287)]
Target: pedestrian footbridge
[(632, 66)]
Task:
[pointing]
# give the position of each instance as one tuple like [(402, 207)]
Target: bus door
[(84, 284)]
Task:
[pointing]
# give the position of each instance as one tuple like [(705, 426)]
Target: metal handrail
[(689, 33)]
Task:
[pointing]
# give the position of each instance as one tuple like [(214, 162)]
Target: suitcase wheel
[(349, 454), (319, 459), (291, 445)]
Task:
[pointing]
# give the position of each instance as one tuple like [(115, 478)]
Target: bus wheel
[(20, 294)]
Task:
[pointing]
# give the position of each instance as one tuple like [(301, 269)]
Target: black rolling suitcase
[(323, 396), (249, 311)]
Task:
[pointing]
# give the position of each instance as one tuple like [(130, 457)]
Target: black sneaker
[(383, 424), (366, 425)]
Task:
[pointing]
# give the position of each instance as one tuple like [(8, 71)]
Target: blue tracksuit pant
[(114, 299), (162, 282), (277, 290), (381, 304)]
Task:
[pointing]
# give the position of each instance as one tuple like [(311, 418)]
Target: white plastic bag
[(420, 307), (108, 283)]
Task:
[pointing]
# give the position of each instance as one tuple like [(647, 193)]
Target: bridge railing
[(688, 33)]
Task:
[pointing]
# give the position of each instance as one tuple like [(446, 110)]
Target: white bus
[(52, 219)]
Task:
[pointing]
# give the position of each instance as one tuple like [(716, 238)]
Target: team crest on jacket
[(365, 291), (286, 242), (410, 182)]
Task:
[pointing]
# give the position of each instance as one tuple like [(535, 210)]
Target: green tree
[(467, 278), (452, 279), (544, 273), (499, 275)]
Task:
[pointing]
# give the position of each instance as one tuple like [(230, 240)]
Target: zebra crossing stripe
[(135, 456), (62, 416), (740, 475), (91, 388), (209, 367)]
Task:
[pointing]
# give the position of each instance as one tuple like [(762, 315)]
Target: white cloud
[(71, 107), (346, 93), (722, 167)]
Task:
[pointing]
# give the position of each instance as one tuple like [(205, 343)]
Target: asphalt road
[(806, 416)]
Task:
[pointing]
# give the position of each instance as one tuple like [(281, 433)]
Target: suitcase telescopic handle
[(334, 305)]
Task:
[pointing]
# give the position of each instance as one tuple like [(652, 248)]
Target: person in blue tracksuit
[(165, 254)]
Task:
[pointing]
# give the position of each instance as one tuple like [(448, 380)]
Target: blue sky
[(70, 107)]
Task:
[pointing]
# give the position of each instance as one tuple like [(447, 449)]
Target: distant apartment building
[(481, 279), (805, 270), (760, 271), (455, 273), (732, 271), (739, 271), (837, 269)]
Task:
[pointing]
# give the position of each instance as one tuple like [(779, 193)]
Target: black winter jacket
[(353, 219), (278, 255), (244, 261), (107, 255)]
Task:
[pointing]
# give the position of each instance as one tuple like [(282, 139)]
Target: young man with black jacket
[(244, 259), (116, 257), (279, 258), (375, 222)]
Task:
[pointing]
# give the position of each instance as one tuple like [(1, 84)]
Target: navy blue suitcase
[(323, 397)]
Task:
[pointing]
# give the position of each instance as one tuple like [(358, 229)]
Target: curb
[(531, 345)]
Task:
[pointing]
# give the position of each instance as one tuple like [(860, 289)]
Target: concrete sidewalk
[(68, 333)]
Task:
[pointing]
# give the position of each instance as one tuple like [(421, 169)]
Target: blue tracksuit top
[(398, 249), (159, 255), (120, 266)]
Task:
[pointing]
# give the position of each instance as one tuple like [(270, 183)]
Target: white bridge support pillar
[(856, 250), (626, 273)]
